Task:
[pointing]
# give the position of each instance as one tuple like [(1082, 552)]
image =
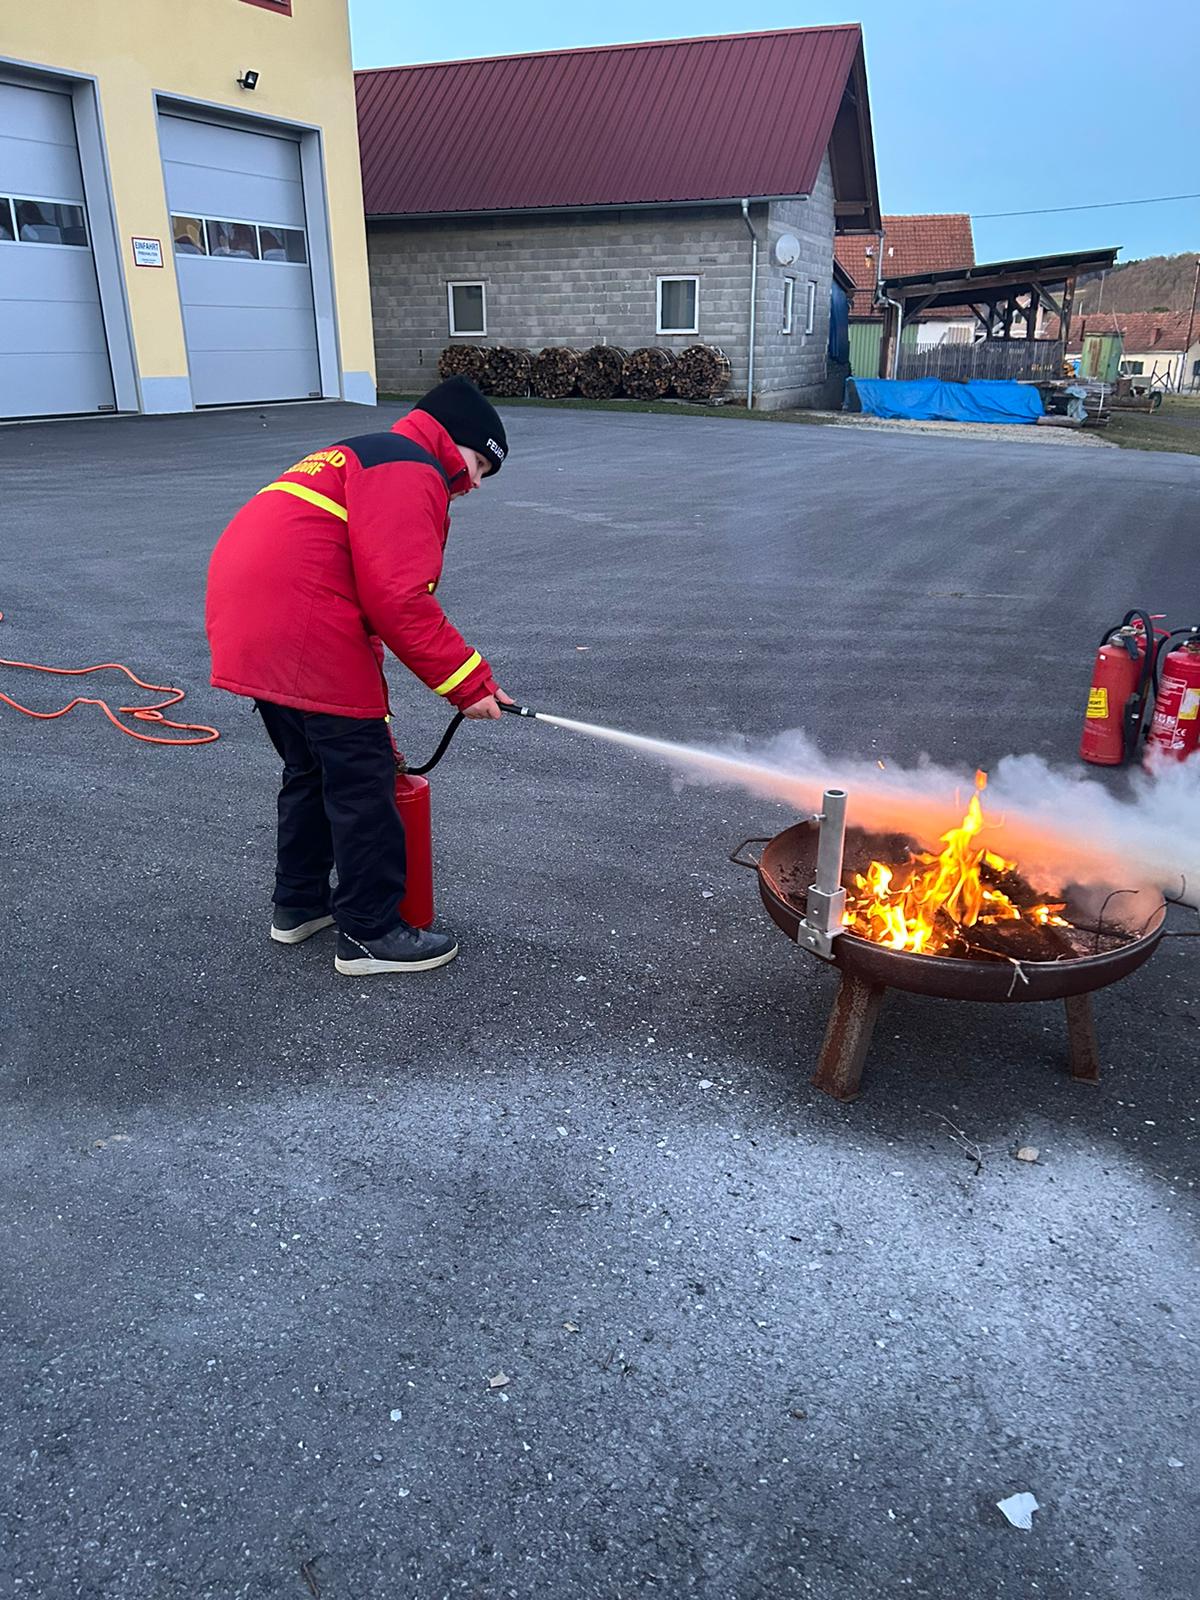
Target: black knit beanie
[(468, 418)]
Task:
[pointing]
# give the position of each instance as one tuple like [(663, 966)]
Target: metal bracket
[(825, 906)]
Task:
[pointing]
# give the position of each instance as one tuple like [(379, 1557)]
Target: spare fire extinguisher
[(1175, 726), (1122, 679)]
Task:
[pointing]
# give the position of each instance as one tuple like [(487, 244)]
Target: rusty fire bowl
[(785, 871)]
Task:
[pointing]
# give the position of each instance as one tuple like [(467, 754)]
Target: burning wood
[(965, 900)]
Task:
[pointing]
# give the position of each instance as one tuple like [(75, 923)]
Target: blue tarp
[(932, 400)]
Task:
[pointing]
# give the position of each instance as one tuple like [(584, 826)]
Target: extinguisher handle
[(1145, 677), (1164, 648), (1143, 618)]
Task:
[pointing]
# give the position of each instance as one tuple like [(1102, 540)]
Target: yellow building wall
[(197, 49)]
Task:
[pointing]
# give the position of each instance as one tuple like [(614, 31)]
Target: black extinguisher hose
[(452, 729), (443, 746), (1136, 704)]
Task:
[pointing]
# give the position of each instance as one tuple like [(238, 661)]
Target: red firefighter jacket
[(343, 550)]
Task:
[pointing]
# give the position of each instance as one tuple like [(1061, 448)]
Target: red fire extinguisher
[(1175, 726), (412, 802), (1122, 679)]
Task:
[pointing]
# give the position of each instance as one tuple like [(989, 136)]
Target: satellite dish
[(787, 249)]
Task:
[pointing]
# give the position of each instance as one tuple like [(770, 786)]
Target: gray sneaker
[(404, 949), (293, 927)]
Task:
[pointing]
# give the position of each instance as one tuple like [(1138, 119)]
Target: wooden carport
[(1003, 295)]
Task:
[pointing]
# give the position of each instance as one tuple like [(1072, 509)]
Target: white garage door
[(53, 350), (242, 258)]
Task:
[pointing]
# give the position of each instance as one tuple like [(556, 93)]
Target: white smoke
[(1061, 826)]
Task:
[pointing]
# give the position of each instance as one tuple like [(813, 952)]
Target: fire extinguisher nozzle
[(518, 711)]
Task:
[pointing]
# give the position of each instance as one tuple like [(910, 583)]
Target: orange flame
[(923, 904)]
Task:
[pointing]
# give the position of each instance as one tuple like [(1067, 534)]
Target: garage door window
[(238, 239), (188, 234), (7, 231), (49, 222), (247, 241), (282, 244)]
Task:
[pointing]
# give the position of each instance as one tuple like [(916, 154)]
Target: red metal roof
[(634, 124), (1144, 332), (910, 244)]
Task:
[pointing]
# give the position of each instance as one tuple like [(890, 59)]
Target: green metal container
[(865, 340), (1101, 360)]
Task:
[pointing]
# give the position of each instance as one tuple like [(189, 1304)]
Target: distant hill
[(1159, 283)]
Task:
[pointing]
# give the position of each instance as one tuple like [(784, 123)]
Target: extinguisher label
[(1097, 707), (1189, 709)]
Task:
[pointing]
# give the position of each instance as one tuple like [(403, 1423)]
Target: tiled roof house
[(931, 243)]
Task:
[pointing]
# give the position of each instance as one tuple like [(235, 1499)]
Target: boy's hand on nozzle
[(487, 710)]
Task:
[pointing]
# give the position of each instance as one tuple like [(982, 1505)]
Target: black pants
[(337, 807)]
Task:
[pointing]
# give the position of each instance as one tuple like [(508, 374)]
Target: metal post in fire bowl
[(825, 905), (852, 1021)]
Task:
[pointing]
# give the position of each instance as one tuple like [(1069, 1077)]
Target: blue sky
[(976, 107)]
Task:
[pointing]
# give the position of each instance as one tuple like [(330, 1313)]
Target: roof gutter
[(385, 217), (753, 302)]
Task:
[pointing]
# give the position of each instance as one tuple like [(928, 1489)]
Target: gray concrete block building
[(653, 194)]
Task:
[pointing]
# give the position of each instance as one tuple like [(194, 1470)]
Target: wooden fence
[(985, 358)]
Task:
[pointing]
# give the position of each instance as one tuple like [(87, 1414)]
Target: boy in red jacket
[(340, 552)]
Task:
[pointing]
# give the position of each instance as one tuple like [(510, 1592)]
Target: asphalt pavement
[(272, 1237)]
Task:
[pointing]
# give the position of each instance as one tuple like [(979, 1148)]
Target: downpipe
[(899, 332), (753, 302)]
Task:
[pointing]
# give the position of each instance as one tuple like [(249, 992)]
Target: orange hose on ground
[(148, 713)]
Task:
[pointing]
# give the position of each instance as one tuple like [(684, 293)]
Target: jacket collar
[(429, 433)]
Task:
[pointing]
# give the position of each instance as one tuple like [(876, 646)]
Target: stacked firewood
[(506, 371), (701, 372), (600, 370), (649, 373), (462, 361), (555, 373)]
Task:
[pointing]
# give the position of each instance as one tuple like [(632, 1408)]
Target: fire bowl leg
[(1081, 1039), (848, 1037)]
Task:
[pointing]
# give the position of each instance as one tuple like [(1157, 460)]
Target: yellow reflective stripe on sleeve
[(302, 492), (468, 667)]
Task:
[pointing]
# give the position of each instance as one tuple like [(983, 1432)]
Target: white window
[(810, 307), (468, 308), (789, 298), (679, 305)]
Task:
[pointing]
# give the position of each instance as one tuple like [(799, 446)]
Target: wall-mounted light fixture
[(248, 80)]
